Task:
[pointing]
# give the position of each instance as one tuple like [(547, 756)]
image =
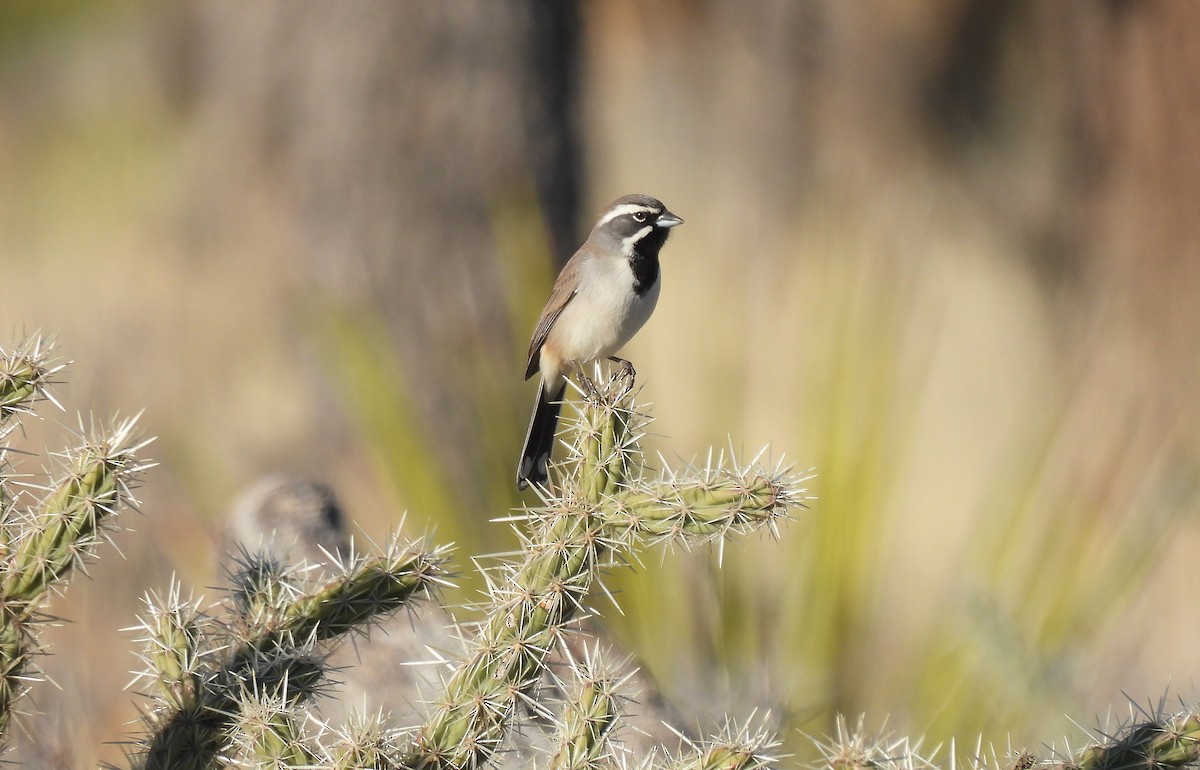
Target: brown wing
[(564, 292)]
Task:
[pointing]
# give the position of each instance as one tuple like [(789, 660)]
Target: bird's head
[(632, 221)]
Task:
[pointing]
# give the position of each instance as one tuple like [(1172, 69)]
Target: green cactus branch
[(725, 756), (365, 589), (531, 605), (1150, 738), (1161, 742), (16, 644), (57, 535), (362, 742), (174, 629), (236, 689), (45, 543), (738, 747), (603, 507), (26, 372), (276, 652), (267, 735), (587, 720), (607, 432)]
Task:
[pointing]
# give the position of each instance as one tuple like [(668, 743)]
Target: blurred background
[(946, 253)]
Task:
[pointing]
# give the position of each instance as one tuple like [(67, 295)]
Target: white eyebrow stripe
[(623, 209)]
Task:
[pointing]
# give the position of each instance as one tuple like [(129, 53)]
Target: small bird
[(603, 295)]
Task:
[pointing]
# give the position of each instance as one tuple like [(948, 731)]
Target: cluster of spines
[(589, 715), (26, 373), (738, 746), (1150, 737)]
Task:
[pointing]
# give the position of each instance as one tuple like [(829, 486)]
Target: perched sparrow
[(601, 298)]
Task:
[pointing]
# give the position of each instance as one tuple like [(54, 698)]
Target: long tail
[(539, 439)]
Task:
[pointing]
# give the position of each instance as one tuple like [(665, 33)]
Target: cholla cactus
[(603, 508), (1150, 738), (47, 531), (589, 716), (737, 747), (247, 699), (231, 685), (26, 374), (213, 679), (361, 742)]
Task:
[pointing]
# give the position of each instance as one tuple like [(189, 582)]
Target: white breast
[(604, 314)]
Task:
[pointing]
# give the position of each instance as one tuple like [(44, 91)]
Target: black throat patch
[(644, 261)]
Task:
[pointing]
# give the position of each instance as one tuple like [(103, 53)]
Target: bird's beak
[(667, 220)]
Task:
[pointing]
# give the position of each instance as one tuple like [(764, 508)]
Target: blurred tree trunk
[(1115, 231), (382, 137), (1118, 79), (1139, 178)]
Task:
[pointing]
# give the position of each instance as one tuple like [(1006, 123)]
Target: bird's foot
[(627, 374), (627, 369), (590, 391)]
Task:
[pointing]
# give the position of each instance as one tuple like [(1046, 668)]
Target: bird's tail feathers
[(539, 439)]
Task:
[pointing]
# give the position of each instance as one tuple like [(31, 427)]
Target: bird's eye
[(639, 216)]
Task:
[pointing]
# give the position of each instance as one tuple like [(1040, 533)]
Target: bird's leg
[(627, 373), (590, 391), (626, 367)]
